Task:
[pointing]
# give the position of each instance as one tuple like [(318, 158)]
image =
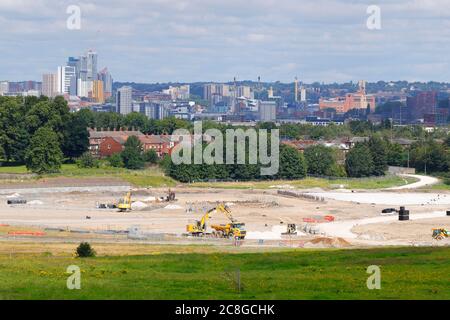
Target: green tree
[(44, 154), (358, 162), (320, 159), (132, 154), (379, 155), (115, 160), (14, 137), (76, 136), (292, 163), (396, 156), (87, 161), (429, 156), (150, 156)]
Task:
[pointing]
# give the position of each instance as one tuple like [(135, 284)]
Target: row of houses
[(103, 144)]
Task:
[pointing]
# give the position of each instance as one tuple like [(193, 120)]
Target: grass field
[(354, 183), (154, 177), (406, 273)]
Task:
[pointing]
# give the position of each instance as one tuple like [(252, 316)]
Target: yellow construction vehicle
[(440, 233), (234, 229), (198, 229), (230, 230), (124, 204)]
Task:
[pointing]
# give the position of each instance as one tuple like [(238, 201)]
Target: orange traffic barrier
[(26, 233)]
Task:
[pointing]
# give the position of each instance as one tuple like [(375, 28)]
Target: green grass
[(362, 183), (406, 273), (19, 169), (152, 176)]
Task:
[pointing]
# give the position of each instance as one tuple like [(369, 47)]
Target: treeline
[(40, 132), (358, 128), (292, 165)]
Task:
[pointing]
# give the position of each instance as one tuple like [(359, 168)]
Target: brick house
[(110, 146), (105, 143)]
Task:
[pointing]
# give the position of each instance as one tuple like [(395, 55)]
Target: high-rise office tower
[(66, 78), (303, 94), (296, 89), (124, 101), (97, 91), (50, 85), (91, 65), (107, 80)]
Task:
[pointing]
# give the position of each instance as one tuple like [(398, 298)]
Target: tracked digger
[(124, 203), (234, 229)]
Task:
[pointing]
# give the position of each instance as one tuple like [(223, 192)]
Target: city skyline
[(179, 41)]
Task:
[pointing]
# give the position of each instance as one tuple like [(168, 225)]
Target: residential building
[(124, 100), (97, 91), (66, 80), (179, 92), (50, 85)]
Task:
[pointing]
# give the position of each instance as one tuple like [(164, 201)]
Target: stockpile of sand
[(138, 205), (173, 207), (327, 243), (274, 234)]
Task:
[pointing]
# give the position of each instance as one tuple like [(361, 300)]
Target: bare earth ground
[(70, 204)]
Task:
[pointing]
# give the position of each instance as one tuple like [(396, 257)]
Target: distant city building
[(107, 80), (97, 92), (50, 85), (358, 100), (66, 80), (245, 91), (302, 94), (91, 65), (154, 110), (422, 105), (4, 87), (296, 89), (179, 93), (124, 101), (267, 111)]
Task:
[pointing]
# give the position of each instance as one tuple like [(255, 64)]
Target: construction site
[(113, 212)]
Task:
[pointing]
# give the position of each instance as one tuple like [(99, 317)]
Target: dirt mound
[(329, 242)]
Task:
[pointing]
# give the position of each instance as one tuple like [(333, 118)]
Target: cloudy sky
[(215, 40)]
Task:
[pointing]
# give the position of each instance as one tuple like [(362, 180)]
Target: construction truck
[(234, 229), (124, 203), (440, 233)]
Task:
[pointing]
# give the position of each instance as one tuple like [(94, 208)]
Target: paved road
[(423, 182), (343, 228)]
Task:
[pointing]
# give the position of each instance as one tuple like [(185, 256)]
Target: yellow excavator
[(440, 233), (234, 229), (198, 229), (124, 203)]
